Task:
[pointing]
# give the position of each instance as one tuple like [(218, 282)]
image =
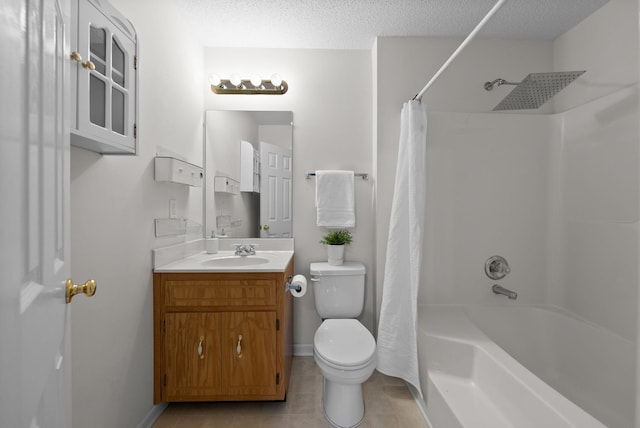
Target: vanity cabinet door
[(249, 353), (104, 78), (192, 355)]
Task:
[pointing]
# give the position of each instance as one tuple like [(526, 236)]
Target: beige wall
[(114, 201), (330, 96)]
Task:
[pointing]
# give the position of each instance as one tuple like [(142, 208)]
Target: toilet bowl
[(345, 352), (343, 348)]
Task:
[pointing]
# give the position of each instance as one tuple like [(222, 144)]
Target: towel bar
[(364, 175)]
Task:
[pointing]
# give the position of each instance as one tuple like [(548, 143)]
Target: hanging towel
[(335, 200), (397, 346)]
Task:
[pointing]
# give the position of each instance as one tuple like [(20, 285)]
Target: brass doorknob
[(78, 58), (88, 288), (266, 227)]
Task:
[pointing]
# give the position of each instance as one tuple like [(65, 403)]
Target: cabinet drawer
[(193, 293)]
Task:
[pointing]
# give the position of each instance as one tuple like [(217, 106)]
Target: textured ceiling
[(354, 24)]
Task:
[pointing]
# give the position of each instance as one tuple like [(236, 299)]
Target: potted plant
[(335, 240)]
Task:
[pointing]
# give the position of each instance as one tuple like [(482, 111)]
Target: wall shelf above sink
[(174, 170)]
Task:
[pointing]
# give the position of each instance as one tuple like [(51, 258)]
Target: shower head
[(534, 90)]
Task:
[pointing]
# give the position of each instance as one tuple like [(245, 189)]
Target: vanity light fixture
[(254, 86)]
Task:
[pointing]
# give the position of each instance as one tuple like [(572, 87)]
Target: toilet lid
[(344, 342)]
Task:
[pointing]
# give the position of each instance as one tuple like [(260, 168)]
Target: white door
[(275, 191), (34, 214)]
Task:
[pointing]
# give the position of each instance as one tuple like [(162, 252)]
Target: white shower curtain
[(397, 347)]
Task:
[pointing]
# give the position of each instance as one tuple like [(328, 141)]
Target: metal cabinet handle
[(239, 347), (200, 348)]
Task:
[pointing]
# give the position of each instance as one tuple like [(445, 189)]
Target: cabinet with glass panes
[(104, 79)]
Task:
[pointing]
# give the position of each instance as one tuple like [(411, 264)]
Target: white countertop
[(226, 261)]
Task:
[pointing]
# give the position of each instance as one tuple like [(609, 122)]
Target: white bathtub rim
[(549, 307), (476, 338)]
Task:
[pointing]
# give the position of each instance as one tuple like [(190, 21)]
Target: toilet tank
[(338, 290)]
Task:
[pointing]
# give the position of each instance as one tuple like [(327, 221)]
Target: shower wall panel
[(487, 194), (600, 187)]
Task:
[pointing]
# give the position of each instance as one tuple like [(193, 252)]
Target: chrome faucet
[(505, 292), (245, 250)]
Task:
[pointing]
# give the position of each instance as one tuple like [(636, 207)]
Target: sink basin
[(235, 261)]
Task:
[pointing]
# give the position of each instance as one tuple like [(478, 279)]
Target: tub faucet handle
[(496, 267)]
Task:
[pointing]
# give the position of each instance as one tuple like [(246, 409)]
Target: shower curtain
[(397, 347)]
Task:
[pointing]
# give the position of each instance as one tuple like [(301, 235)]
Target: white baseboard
[(153, 415), (303, 350)]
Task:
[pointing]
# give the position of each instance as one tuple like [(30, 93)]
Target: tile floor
[(388, 404)]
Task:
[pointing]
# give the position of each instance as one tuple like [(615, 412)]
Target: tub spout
[(501, 290)]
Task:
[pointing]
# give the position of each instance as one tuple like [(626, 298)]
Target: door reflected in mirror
[(248, 173)]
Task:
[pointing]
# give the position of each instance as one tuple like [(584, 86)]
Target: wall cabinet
[(104, 79), (249, 168), (222, 336)]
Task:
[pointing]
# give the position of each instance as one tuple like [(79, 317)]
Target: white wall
[(330, 96), (114, 200), (606, 45), (279, 135)]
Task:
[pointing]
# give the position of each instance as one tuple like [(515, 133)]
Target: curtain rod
[(364, 175), (464, 44)]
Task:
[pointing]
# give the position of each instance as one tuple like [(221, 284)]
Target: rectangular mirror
[(248, 173)]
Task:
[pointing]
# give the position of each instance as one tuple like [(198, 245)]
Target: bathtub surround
[(397, 340), (566, 352), (554, 191), (484, 386)]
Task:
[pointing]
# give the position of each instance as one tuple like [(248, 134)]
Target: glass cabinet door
[(106, 91)]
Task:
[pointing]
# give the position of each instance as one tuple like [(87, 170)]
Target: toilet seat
[(344, 344)]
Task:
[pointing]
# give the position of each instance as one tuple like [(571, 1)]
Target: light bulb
[(256, 81), (276, 80), (214, 79), (235, 80)]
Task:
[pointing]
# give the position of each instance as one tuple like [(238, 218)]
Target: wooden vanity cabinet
[(222, 336)]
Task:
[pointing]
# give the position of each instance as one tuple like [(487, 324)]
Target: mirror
[(248, 165)]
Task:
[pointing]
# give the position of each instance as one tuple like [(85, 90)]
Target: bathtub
[(522, 366)]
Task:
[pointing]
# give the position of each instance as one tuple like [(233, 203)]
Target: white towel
[(335, 200)]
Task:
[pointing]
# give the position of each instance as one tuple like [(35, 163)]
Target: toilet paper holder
[(289, 286)]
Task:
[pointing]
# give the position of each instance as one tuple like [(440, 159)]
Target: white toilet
[(343, 348)]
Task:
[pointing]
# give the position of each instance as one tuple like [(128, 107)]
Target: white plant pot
[(335, 254)]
